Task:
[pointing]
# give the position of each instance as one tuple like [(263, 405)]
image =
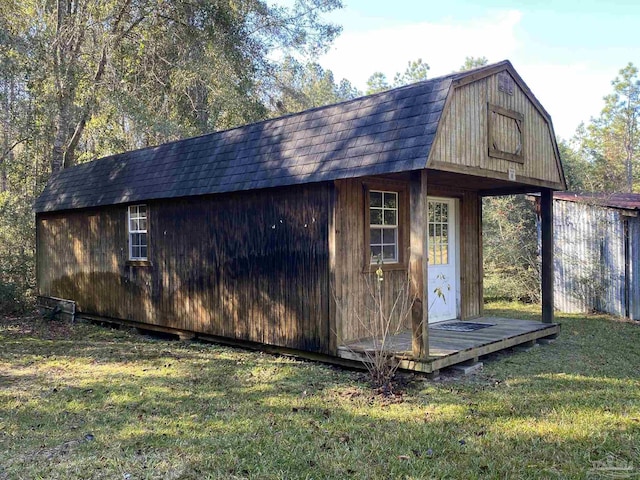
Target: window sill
[(138, 263), (386, 267)]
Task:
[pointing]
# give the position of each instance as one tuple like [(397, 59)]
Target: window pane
[(434, 254), (437, 212), (389, 235), (376, 236), (389, 252), (376, 251), (376, 217), (390, 217), (137, 231), (445, 232), (431, 212), (445, 212), (432, 231), (438, 231), (375, 199), (390, 200)]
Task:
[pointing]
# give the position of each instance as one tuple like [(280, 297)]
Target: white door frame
[(454, 227)]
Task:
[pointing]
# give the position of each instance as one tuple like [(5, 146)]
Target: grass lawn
[(85, 402)]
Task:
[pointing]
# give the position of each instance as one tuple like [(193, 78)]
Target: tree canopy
[(416, 71), (80, 80), (120, 74), (473, 62), (604, 154), (301, 86)]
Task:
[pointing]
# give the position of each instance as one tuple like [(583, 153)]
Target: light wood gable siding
[(250, 266), (462, 143)]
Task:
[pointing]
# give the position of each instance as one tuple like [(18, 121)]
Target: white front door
[(443, 254)]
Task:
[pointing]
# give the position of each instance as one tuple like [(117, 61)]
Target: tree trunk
[(60, 138)]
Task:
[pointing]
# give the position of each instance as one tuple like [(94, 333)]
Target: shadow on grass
[(105, 404)]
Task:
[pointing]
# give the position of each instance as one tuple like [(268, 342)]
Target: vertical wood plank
[(480, 262), (418, 255), (463, 135), (217, 266), (546, 214), (332, 331), (425, 265)]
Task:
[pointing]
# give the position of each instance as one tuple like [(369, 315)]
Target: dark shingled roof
[(625, 201), (387, 132)]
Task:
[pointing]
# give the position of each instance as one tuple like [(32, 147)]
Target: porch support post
[(418, 265), (546, 220)]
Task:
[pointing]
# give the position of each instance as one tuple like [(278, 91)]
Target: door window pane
[(438, 228)]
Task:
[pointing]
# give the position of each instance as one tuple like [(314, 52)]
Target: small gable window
[(138, 239)]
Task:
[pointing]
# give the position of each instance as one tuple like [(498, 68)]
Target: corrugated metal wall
[(590, 259), (634, 268)]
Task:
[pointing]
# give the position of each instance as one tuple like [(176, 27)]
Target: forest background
[(81, 80)]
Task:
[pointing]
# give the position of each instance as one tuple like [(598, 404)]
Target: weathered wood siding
[(471, 272), (354, 284), (249, 266), (462, 141)]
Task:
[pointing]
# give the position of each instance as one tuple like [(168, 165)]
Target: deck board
[(448, 347)]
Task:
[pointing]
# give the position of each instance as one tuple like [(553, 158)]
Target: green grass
[(89, 402)]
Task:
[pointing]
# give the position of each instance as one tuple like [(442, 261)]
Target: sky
[(567, 51)]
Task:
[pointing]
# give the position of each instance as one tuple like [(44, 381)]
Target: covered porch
[(455, 342), (422, 230)]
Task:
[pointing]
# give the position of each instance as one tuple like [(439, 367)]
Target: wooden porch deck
[(447, 348)]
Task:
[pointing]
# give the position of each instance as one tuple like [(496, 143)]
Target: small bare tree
[(384, 317), (383, 321)]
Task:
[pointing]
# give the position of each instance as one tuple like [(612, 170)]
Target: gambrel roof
[(388, 132)]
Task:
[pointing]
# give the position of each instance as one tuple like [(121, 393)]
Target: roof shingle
[(387, 132)]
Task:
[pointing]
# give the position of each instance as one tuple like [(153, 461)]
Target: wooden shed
[(597, 253), (268, 233)]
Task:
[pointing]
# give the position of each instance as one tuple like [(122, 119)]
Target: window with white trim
[(383, 227), (138, 245)]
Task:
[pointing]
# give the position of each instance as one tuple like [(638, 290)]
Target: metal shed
[(597, 253)]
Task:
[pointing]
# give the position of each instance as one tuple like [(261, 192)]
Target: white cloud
[(570, 91), (444, 46)]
